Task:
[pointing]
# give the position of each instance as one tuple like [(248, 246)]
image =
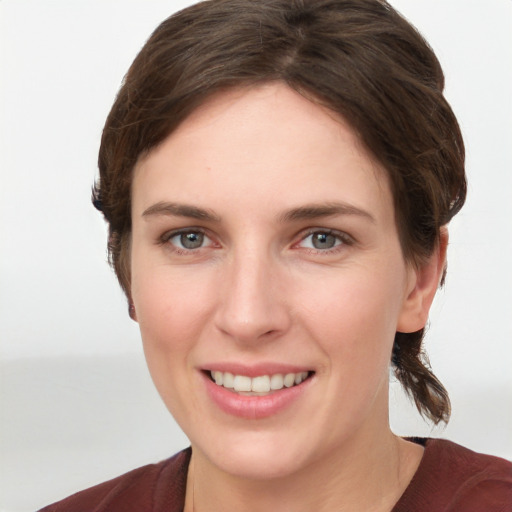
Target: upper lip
[(255, 370)]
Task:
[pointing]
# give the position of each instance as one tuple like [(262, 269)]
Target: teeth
[(228, 380), (260, 384), (242, 383), (289, 380), (276, 381), (299, 377)]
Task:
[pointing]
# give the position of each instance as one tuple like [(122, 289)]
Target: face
[(268, 281)]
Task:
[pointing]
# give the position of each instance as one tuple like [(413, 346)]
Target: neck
[(360, 476)]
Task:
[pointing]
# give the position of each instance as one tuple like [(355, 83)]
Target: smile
[(256, 393), (260, 385)]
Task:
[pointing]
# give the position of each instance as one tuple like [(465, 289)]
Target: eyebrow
[(307, 212), (180, 210), (314, 211)]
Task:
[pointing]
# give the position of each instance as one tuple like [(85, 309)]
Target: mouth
[(261, 385), (257, 392)]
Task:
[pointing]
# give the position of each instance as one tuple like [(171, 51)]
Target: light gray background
[(77, 404)]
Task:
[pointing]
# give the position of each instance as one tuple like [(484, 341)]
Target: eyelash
[(165, 239), (343, 238)]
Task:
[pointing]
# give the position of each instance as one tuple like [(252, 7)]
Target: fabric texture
[(450, 478)]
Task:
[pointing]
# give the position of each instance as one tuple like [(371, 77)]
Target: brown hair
[(359, 58)]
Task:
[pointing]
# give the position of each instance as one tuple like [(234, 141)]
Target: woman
[(277, 178)]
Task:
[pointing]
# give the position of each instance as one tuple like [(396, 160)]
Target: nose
[(252, 301)]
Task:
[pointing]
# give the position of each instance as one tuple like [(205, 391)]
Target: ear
[(423, 284), (131, 311)]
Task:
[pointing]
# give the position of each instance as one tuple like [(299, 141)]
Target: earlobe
[(132, 312), (425, 281)]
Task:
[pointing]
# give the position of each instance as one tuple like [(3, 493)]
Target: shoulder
[(151, 487), (454, 478)]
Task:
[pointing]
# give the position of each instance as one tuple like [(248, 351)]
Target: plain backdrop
[(77, 404)]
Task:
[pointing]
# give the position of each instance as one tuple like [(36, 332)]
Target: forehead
[(265, 142)]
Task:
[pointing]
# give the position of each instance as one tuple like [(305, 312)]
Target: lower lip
[(254, 407)]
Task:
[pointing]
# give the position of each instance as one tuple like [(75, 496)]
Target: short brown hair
[(359, 58)]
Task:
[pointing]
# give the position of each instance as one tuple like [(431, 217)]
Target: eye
[(324, 240), (187, 240)]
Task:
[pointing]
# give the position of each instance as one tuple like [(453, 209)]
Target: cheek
[(354, 318), (171, 312), (171, 308)]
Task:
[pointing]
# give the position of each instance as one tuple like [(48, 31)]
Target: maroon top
[(450, 478)]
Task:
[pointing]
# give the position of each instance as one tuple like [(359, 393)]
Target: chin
[(259, 455)]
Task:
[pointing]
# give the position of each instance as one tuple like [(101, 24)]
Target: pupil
[(191, 240), (323, 241)]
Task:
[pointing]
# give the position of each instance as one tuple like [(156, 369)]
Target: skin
[(257, 291)]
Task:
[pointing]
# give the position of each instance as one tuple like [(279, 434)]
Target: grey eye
[(191, 240), (324, 240)]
